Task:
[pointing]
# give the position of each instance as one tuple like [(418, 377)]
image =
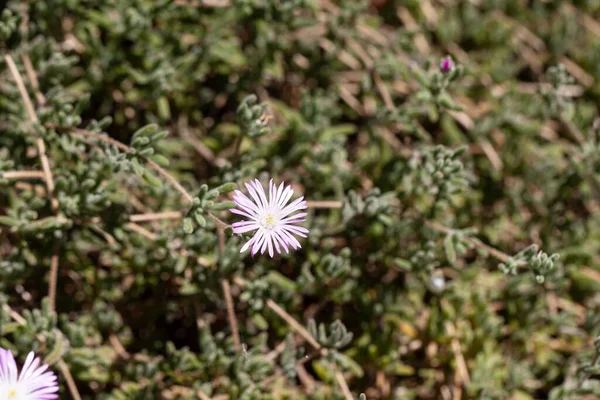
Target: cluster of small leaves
[(558, 105), (457, 243), (144, 147), (436, 172), (204, 203), (9, 28), (254, 293), (6, 164), (335, 266), (373, 205), (253, 117), (540, 263), (39, 333), (335, 336)]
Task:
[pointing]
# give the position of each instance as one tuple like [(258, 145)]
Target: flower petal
[(251, 226)]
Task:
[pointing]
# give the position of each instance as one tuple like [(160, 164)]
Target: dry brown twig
[(53, 279), (20, 175), (461, 364), (231, 314), (32, 76), (324, 204), (155, 216), (41, 147)]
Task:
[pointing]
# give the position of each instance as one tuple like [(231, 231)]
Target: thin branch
[(305, 378), (142, 231), (64, 369), (202, 395), (233, 324), (34, 119), (24, 175), (383, 91), (13, 314), (220, 222), (118, 346), (461, 364), (273, 354), (49, 179), (21, 86), (231, 314), (102, 137), (238, 145), (343, 384), (324, 204), (32, 76), (53, 275), (294, 324), (155, 216)]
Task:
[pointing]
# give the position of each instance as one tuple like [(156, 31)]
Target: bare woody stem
[(302, 331), (233, 324), (31, 75), (23, 175), (231, 314), (238, 145), (64, 369), (53, 275), (324, 204), (155, 216), (48, 178), (39, 142)]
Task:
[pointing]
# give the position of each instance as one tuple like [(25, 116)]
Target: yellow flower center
[(12, 393), (269, 221)]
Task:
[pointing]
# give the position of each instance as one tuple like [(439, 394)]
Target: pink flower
[(446, 64), (33, 383), (271, 218)]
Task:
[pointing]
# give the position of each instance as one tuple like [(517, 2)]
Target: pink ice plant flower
[(272, 218), (33, 383), (446, 64)]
